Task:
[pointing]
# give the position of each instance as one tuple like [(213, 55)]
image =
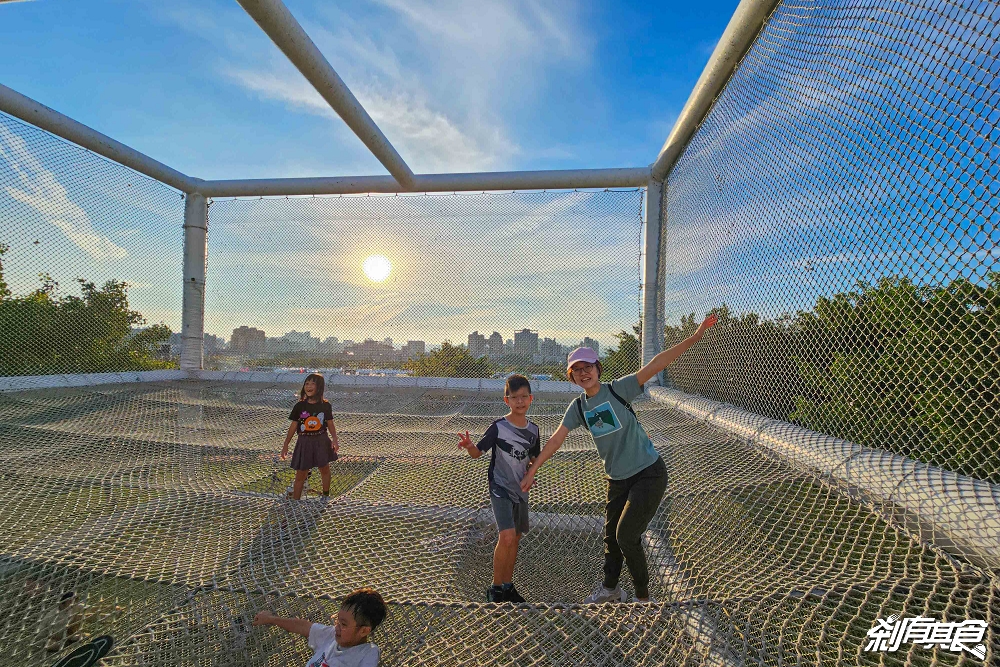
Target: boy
[(344, 644), (515, 444)]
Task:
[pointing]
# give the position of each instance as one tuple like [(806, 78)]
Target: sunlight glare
[(377, 268)]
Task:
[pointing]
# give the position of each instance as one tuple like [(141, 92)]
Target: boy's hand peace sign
[(465, 442)]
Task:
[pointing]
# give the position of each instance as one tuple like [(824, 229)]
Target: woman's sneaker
[(511, 595), (495, 594), (602, 594)]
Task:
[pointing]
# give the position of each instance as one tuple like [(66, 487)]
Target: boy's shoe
[(649, 600), (495, 594), (602, 594), (511, 594)]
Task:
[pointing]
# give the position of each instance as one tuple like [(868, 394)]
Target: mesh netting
[(90, 260), (841, 200), (500, 274), (162, 508)]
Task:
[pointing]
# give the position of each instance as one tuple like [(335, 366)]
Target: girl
[(637, 476), (312, 417)]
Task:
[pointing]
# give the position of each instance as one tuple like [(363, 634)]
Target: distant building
[(298, 341), (214, 344), (526, 343), (247, 340), (477, 344), (592, 344), (373, 351), (495, 345), (412, 349), (331, 345), (550, 352)]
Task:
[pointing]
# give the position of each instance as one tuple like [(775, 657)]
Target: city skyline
[(524, 342)]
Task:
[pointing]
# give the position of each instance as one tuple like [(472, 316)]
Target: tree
[(626, 359), (897, 366), (45, 332), (908, 368), (450, 361)]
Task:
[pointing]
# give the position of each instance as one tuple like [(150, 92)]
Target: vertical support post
[(193, 304), (653, 276)]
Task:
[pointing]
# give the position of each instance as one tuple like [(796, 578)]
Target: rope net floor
[(162, 507)]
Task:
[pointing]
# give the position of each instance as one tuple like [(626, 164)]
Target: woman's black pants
[(631, 505)]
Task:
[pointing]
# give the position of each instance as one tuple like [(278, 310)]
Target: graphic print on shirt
[(601, 420), (312, 423)]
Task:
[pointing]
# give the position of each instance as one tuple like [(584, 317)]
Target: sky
[(455, 86), (840, 151)]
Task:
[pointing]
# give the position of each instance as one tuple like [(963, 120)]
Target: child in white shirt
[(344, 644)]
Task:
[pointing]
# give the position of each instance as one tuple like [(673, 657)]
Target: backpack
[(579, 404)]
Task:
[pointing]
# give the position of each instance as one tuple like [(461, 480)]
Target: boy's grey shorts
[(509, 514)]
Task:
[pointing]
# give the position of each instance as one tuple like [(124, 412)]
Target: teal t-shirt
[(621, 441)]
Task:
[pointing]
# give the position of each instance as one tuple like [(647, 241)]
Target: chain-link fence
[(90, 260), (511, 281), (164, 514), (839, 208)]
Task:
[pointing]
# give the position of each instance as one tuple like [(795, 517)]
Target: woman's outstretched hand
[(528, 481), (705, 325)]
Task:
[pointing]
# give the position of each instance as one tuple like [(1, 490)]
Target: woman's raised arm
[(667, 357)]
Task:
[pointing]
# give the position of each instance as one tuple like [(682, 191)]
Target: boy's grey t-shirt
[(512, 447), (621, 441)]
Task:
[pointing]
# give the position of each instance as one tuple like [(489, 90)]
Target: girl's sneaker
[(649, 600), (602, 594)]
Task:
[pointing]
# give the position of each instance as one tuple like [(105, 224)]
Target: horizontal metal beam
[(279, 24), (743, 28), (497, 180), (39, 115)]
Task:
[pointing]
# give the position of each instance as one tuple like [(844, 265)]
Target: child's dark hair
[(320, 386), (515, 382), (367, 607)]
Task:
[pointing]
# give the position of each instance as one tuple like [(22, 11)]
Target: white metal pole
[(498, 180), (39, 115), (652, 276), (193, 303), (743, 28), (279, 24)]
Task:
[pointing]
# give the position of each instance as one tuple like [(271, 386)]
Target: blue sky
[(455, 85)]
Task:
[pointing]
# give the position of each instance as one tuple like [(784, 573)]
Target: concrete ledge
[(22, 383), (958, 513), (28, 382)]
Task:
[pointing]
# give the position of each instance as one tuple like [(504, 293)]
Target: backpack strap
[(579, 404), (623, 401)]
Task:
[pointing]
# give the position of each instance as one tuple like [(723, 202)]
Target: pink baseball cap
[(581, 354)]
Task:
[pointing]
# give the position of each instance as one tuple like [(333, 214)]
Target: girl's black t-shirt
[(312, 417)]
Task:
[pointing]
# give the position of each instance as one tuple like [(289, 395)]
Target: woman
[(637, 476)]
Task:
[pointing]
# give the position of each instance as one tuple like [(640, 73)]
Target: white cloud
[(437, 76), (42, 191), (436, 143)]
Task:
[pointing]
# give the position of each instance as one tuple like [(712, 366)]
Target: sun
[(377, 268)]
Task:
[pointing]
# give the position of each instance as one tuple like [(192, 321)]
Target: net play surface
[(162, 507)]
